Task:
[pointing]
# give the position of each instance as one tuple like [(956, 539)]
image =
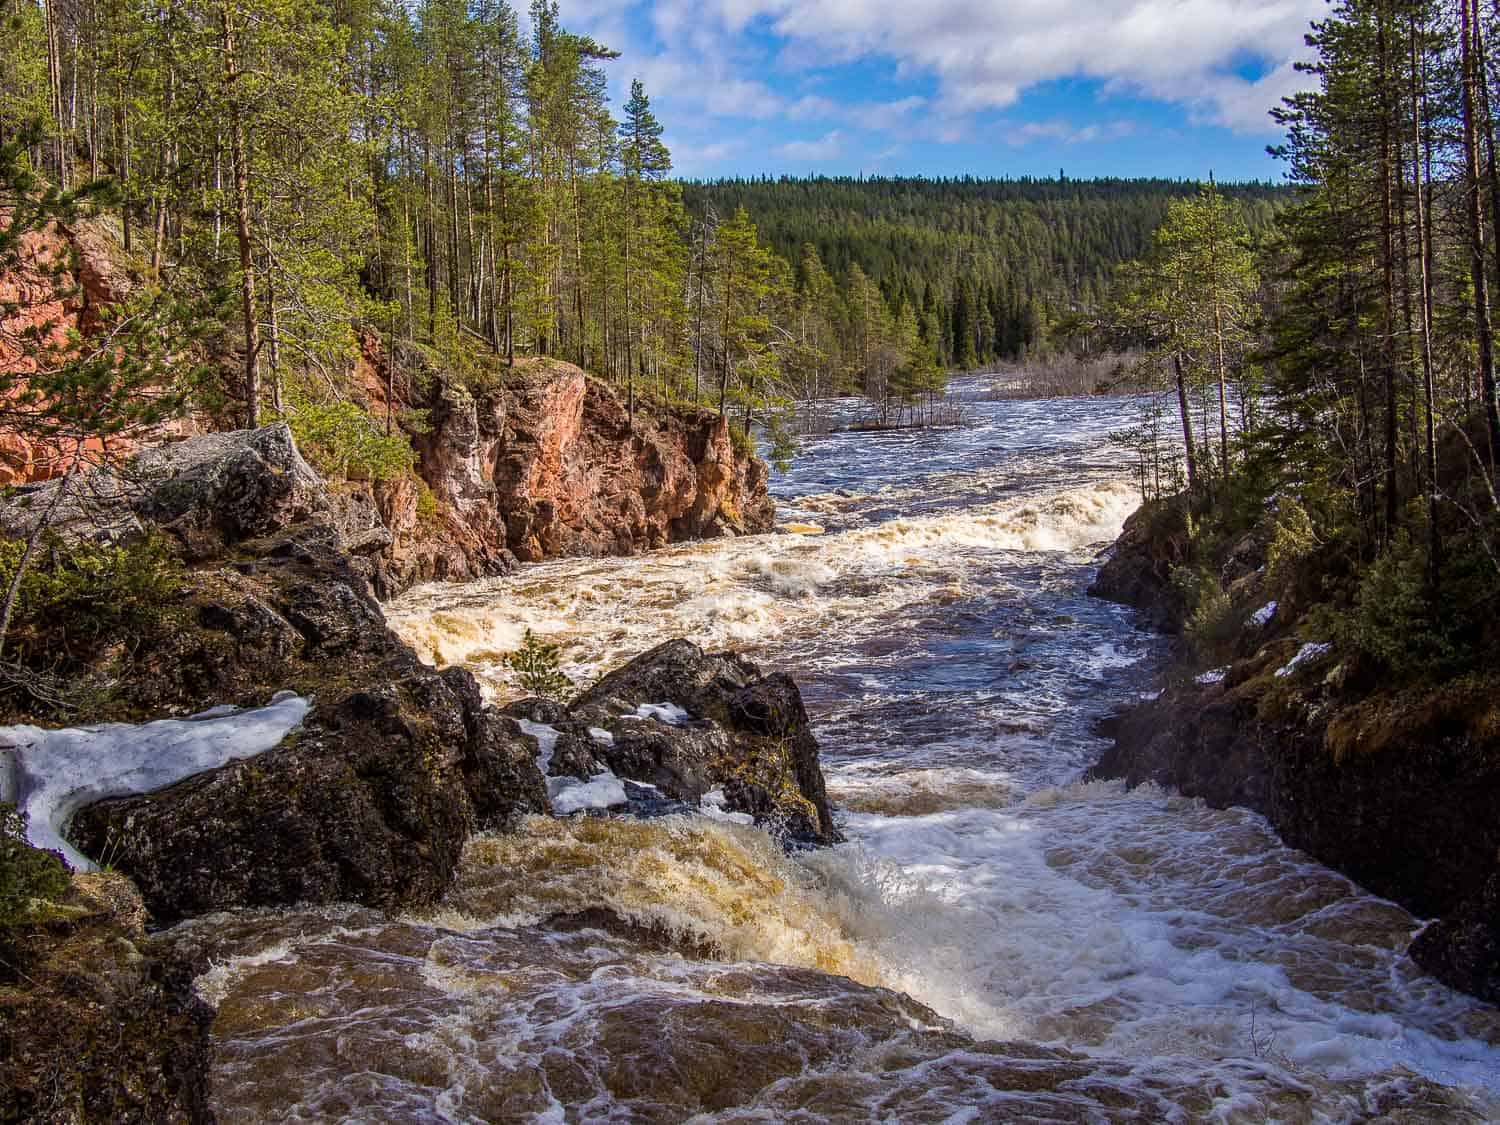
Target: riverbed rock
[(744, 732), (1463, 947), (98, 1022), (1137, 569)]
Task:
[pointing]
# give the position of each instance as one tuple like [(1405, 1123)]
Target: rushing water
[(997, 941)]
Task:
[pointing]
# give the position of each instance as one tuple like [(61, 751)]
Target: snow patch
[(569, 795), (51, 774), (1212, 676), (546, 742), (669, 713), (1310, 651), (601, 736), (1262, 616)]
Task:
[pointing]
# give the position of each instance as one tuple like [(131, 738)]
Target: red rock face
[(36, 295), (66, 276), (549, 465), (572, 477)]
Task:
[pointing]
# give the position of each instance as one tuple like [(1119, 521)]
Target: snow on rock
[(1310, 651), (1262, 616), (668, 713), (1212, 676), (713, 804), (546, 742), (51, 774), (569, 795)]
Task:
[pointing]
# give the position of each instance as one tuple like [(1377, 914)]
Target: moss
[(29, 878)]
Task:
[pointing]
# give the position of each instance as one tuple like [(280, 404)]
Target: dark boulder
[(366, 803), (746, 733)]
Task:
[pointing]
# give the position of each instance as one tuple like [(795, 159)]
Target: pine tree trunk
[(1187, 422), (1424, 258), (1388, 279), (1475, 221), (241, 172)]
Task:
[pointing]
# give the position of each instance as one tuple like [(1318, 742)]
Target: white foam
[(712, 805), (742, 592), (54, 773), (1310, 651), (1212, 676)]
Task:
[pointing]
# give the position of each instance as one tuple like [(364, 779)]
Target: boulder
[(1462, 949), (745, 732), (370, 802)]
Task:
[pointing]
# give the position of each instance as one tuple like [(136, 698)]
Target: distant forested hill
[(1016, 253)]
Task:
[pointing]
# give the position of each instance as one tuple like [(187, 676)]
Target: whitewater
[(996, 940)]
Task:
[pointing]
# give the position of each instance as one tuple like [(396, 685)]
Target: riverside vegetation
[(1331, 418)]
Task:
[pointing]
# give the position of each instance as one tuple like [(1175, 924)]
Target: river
[(996, 940)]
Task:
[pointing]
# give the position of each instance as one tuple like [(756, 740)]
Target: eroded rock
[(743, 731)]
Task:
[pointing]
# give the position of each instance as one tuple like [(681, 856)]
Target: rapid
[(997, 940)]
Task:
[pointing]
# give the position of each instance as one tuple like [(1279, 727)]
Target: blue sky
[(948, 87)]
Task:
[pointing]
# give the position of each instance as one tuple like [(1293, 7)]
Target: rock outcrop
[(97, 1023), (1137, 569), (515, 463), (372, 800), (544, 462), (743, 732), (1396, 788)]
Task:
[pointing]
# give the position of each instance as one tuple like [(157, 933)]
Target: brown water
[(995, 942)]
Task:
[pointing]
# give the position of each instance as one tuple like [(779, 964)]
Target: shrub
[(1293, 539), (427, 502), (26, 873), (72, 595), (538, 665), (1394, 620), (1208, 615), (339, 437), (743, 443)]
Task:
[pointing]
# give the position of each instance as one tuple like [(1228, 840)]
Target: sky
[(1176, 88)]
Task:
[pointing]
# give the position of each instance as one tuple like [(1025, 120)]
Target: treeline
[(1340, 370), (992, 269), (442, 172)]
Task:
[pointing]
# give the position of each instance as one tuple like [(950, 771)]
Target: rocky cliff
[(513, 464), (543, 461), (1396, 787), (62, 281)]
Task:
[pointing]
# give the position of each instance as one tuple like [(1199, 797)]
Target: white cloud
[(981, 54), (829, 146), (1019, 134)]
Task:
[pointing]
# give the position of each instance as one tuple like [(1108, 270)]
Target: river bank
[(1395, 784)]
